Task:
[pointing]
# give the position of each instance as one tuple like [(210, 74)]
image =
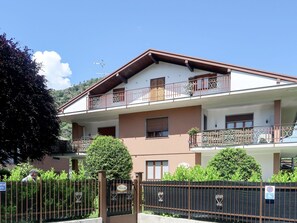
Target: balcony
[(248, 136), (81, 145), (195, 88)]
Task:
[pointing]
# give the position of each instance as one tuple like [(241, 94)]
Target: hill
[(62, 96)]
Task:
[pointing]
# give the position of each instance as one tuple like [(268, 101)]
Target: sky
[(76, 40)]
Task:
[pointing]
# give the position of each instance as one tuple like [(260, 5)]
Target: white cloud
[(56, 72)]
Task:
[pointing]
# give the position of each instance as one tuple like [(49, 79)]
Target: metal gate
[(118, 200)]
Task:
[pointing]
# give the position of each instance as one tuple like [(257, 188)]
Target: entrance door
[(157, 89)]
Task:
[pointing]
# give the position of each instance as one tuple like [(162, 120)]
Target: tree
[(109, 154), (229, 162), (28, 118)]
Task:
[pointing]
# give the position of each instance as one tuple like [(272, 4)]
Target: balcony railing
[(245, 136), (197, 87), (81, 145)]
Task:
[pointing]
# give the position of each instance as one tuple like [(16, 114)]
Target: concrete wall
[(241, 81), (92, 220), (49, 162), (149, 218), (79, 105), (261, 114)]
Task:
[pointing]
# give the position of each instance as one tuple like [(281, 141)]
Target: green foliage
[(58, 193), (19, 172), (109, 154), (62, 96), (284, 177), (230, 161), (196, 173), (29, 125)]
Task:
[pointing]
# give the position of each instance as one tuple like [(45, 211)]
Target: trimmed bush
[(235, 164), (109, 154)]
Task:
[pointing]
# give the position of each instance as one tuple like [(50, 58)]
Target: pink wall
[(173, 148), (49, 162)]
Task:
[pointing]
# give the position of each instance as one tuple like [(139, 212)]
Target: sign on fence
[(269, 192), (2, 186)]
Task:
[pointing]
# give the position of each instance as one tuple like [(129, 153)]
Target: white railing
[(197, 87)]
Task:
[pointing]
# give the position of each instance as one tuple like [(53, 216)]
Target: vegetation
[(62, 96), (230, 161), (196, 173), (109, 154), (284, 177), (228, 164), (58, 191), (28, 117)]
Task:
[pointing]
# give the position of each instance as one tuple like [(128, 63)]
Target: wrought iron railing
[(197, 87), (81, 145), (47, 200), (244, 136), (221, 201)]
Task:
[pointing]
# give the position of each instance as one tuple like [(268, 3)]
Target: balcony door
[(157, 92), (239, 121)]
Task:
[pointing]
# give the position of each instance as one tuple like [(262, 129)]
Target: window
[(157, 127), (118, 95), (204, 82), (155, 170), (288, 164), (240, 121)]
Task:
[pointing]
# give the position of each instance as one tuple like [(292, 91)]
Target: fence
[(222, 201), (47, 200)]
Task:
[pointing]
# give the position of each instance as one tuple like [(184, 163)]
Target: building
[(152, 101)]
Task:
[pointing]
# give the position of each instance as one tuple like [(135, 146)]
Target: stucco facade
[(232, 106)]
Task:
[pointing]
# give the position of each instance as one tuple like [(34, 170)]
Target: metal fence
[(222, 201), (48, 200)]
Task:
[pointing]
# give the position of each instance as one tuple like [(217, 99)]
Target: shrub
[(196, 173), (229, 162), (284, 177), (109, 154)]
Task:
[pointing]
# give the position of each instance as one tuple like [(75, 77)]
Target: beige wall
[(173, 148)]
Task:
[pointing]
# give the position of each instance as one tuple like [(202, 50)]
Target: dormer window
[(118, 95), (204, 82)]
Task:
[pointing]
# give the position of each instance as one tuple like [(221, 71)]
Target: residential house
[(151, 102)]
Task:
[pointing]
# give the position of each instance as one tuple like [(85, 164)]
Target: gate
[(118, 200)]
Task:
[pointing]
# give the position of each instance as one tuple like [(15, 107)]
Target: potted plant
[(189, 88), (193, 131)]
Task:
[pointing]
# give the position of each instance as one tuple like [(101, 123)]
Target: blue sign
[(2, 186)]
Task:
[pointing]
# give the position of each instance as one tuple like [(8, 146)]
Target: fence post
[(40, 201), (189, 199), (261, 201), (139, 192), (102, 195)]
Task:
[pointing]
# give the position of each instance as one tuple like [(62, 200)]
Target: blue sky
[(75, 34)]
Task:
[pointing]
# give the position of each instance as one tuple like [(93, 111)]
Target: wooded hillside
[(62, 96)]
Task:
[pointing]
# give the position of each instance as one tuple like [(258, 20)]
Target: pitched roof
[(154, 56)]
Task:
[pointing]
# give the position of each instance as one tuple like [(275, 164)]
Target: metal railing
[(221, 201), (244, 136), (197, 87), (81, 145), (47, 200)]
